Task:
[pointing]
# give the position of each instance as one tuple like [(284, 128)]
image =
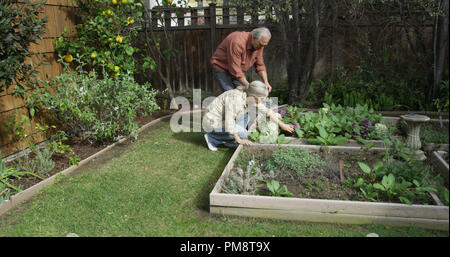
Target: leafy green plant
[(254, 136), (326, 138), (42, 162), (91, 108), (334, 125), (245, 180), (293, 159), (74, 160), (21, 24), (430, 135), (5, 175), (277, 190), (398, 177)]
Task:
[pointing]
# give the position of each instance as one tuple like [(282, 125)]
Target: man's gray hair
[(261, 32)]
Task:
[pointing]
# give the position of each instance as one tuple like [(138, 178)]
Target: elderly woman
[(225, 116)]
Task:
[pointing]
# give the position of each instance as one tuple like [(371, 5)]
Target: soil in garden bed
[(82, 149)]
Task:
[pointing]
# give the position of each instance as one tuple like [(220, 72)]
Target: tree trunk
[(441, 48), (294, 60), (312, 55)]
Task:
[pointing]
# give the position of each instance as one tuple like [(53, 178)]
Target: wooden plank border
[(321, 210)]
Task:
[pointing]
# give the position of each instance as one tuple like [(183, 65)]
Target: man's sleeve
[(259, 64), (234, 55)]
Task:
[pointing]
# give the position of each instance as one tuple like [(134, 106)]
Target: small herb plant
[(293, 159), (5, 175), (245, 180)]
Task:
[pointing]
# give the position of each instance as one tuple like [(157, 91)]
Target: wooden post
[(240, 15), (154, 18), (194, 17), (180, 17), (212, 25), (225, 12), (167, 18)]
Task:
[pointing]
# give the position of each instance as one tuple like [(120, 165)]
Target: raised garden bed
[(321, 196)]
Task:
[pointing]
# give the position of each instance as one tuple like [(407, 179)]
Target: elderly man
[(236, 54)]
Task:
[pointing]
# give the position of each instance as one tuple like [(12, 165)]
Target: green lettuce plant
[(277, 190)]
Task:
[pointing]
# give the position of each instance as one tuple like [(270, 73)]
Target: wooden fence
[(197, 32), (60, 15)]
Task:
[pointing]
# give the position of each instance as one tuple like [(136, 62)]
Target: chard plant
[(277, 190), (334, 125), (398, 177)]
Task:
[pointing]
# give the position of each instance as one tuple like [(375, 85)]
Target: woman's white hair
[(261, 32), (256, 88)]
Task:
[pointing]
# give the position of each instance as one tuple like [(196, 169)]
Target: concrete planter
[(319, 210)]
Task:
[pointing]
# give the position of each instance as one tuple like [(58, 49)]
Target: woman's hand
[(244, 142), (287, 127)]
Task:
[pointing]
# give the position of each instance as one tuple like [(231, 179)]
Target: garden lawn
[(158, 185)]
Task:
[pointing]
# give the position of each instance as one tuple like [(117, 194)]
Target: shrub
[(20, 25), (90, 108)]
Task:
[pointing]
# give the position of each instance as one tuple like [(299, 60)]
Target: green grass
[(156, 186)]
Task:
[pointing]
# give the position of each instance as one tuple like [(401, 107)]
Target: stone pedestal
[(413, 124)]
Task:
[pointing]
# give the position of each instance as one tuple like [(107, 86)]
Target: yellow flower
[(169, 2), (116, 74), (109, 12), (116, 69), (115, 1), (94, 55), (119, 39), (68, 58), (130, 20)]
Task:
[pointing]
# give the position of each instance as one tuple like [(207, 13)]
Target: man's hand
[(269, 87)]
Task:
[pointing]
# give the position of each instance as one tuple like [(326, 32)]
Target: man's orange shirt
[(236, 55)]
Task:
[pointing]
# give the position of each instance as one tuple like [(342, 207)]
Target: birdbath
[(413, 123)]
